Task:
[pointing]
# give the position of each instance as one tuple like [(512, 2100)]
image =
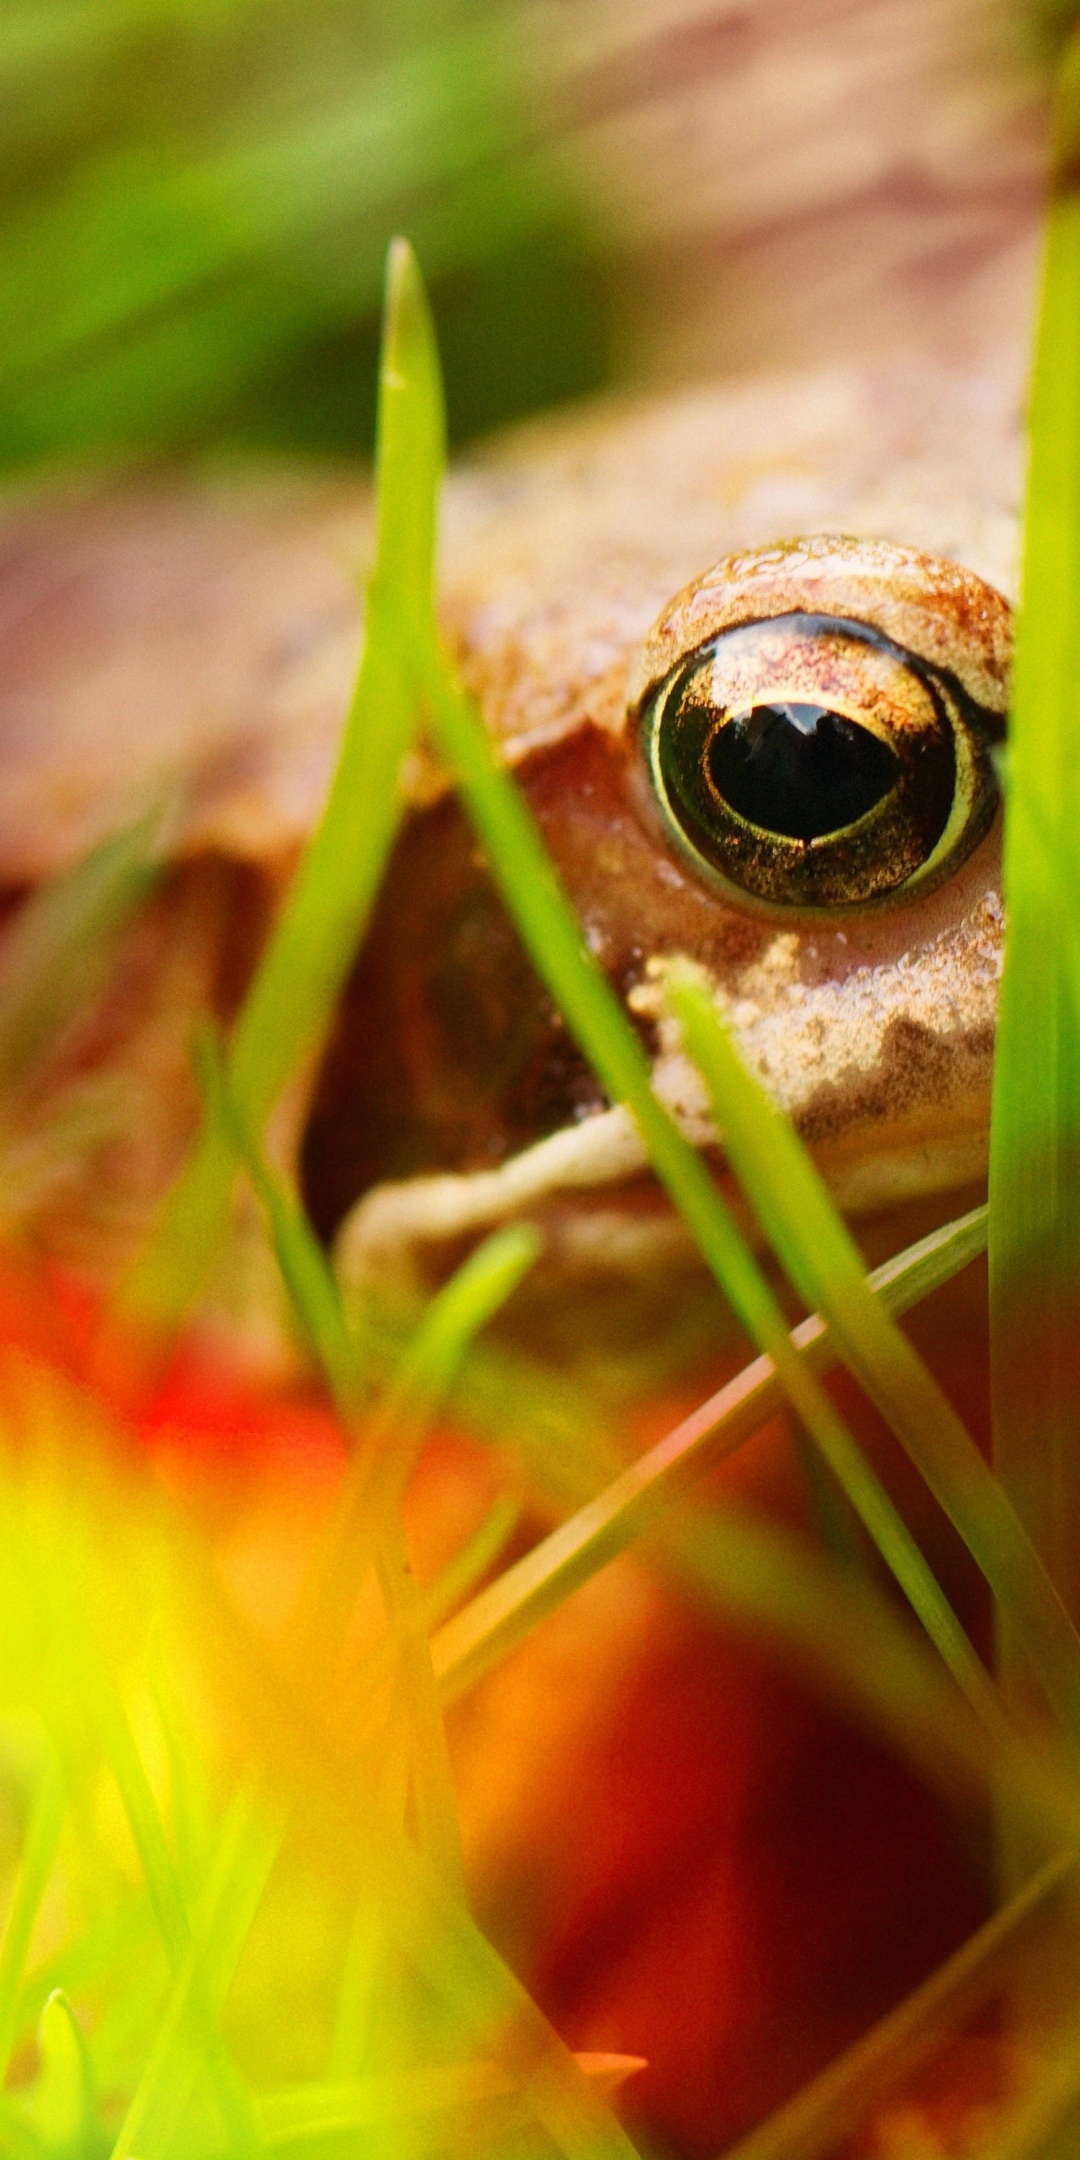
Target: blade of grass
[(309, 2111), (247, 1848), (545, 1417), (1035, 1129), (1035, 1125), (367, 1525), (479, 1553), (190, 1809), (36, 1864), (428, 1364), (841, 1631), (819, 1253), (435, 1808), (359, 1992), (474, 1294), (834, 2104), (555, 941), (505, 1612), (167, 1899), (302, 970), (64, 2107), (310, 1284), (368, 1515)]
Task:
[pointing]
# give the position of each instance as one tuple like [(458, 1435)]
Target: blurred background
[(196, 196)]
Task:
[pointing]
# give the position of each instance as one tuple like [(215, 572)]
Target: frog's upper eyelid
[(956, 624)]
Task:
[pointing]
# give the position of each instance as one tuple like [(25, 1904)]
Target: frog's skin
[(209, 632)]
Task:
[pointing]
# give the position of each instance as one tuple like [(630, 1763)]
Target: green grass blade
[(247, 1848), (36, 1864), (377, 1475), (166, 1894), (148, 1835), (301, 1259), (438, 1833), (395, 1432), (554, 939), (505, 1612), (846, 1637), (455, 1579), (548, 1417), (369, 1521), (818, 1252), (1035, 1131), (290, 1001), (190, 1812), (474, 1294), (64, 2108)]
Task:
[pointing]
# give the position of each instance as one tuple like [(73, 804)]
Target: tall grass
[(1035, 1131), (210, 1822)]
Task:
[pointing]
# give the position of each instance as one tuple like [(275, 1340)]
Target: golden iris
[(810, 762)]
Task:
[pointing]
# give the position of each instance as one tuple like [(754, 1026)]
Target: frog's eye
[(811, 761)]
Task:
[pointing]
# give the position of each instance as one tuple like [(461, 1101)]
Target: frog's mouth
[(590, 1190)]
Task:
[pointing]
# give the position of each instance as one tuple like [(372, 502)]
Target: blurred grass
[(1035, 1129), (311, 948), (195, 202), (82, 370), (289, 1851), (1034, 1244)]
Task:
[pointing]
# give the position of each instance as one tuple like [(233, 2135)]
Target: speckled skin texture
[(875, 1027), (205, 637)]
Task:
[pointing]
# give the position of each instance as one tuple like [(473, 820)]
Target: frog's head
[(790, 779), (814, 726), (780, 767)]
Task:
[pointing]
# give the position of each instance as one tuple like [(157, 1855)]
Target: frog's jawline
[(452, 1097)]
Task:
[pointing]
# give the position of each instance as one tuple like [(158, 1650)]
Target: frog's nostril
[(799, 769)]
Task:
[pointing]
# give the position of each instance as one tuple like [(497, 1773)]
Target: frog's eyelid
[(938, 610)]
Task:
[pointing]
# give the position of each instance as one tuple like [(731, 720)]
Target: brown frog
[(780, 765), (781, 768)]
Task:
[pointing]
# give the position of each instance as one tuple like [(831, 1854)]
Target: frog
[(824, 562), (204, 632)]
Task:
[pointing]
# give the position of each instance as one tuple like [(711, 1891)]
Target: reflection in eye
[(811, 762)]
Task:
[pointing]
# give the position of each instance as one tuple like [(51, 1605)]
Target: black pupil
[(800, 770)]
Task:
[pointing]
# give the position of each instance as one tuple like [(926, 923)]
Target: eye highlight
[(810, 761)]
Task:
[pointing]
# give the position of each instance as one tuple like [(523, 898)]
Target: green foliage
[(636, 1502), (197, 199), (1035, 1132)]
